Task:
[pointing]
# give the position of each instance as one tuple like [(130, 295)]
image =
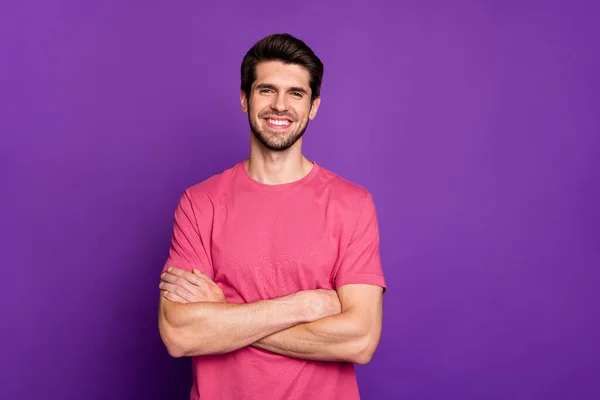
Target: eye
[(297, 94), (266, 91)]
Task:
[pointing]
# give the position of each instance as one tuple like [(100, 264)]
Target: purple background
[(474, 124)]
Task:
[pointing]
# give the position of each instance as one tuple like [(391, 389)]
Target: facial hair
[(274, 142)]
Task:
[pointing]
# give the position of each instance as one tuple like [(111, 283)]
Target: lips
[(277, 122)]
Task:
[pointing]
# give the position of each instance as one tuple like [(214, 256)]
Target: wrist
[(304, 306)]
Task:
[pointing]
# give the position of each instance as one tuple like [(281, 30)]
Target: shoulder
[(340, 188), (204, 193), (353, 202), (212, 186)]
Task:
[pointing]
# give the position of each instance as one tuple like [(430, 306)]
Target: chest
[(264, 247)]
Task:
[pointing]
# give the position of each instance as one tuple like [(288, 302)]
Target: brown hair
[(287, 49)]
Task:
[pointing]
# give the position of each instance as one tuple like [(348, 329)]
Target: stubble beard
[(275, 141)]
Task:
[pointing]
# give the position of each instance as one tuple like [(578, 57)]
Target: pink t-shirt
[(258, 242)]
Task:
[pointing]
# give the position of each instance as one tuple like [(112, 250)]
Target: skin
[(281, 93), (327, 325), (212, 327), (350, 334), (275, 94)]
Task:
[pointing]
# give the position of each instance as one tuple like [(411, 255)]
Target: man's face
[(279, 106)]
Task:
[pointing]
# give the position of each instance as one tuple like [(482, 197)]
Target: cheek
[(255, 109), (305, 112)]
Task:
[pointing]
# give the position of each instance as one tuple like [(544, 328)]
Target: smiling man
[(273, 283)]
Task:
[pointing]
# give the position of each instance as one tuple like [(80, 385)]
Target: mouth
[(277, 123)]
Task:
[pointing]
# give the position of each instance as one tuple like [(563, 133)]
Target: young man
[(273, 282)]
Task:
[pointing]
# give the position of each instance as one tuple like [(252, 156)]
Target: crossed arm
[(352, 335), (194, 319)]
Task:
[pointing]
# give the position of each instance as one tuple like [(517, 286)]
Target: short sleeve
[(361, 262), (190, 242)]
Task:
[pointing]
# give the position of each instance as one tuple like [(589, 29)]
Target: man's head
[(280, 89)]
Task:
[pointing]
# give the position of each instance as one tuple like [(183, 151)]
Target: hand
[(322, 303), (182, 286)]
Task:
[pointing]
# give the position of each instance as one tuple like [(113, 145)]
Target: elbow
[(181, 342), (174, 336), (174, 332), (169, 336), (364, 358), (175, 348), (365, 350), (175, 351)]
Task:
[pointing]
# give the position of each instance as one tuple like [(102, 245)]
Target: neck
[(277, 167)]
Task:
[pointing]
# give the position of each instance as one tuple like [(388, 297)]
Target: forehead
[(280, 74)]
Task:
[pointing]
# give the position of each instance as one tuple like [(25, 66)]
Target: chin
[(277, 146), (276, 140), (282, 144)]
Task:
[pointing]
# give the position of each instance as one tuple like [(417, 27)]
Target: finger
[(199, 273), (197, 293), (205, 278), (178, 290), (174, 297), (174, 290), (219, 295), (191, 292), (182, 273), (183, 282)]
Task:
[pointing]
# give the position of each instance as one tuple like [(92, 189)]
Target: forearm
[(337, 338), (216, 328)]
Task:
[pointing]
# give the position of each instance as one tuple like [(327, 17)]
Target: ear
[(243, 101), (314, 108)]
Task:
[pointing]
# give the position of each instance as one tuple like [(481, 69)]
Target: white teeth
[(278, 122)]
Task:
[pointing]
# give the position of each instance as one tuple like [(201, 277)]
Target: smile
[(278, 122)]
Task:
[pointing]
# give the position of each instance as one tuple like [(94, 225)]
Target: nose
[(280, 102)]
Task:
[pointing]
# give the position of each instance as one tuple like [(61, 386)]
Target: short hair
[(287, 49)]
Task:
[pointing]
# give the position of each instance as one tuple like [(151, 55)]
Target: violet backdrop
[(473, 123)]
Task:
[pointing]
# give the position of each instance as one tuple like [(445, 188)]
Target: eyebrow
[(292, 89)]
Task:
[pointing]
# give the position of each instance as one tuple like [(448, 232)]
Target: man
[(274, 282)]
